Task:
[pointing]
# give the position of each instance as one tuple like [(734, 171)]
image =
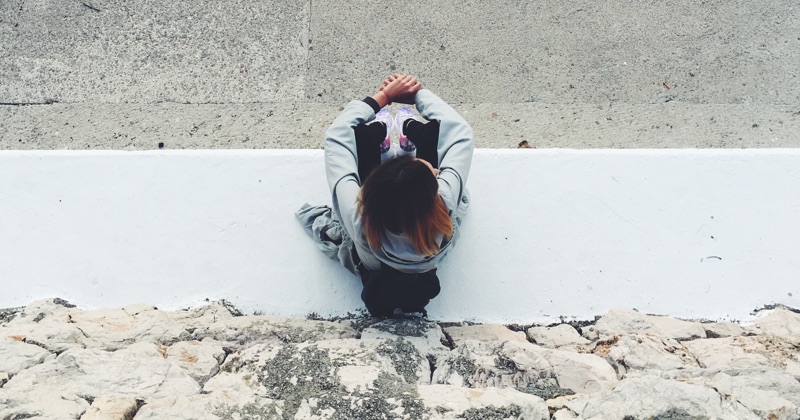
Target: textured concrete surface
[(273, 125), (133, 74), (563, 52), (149, 51)]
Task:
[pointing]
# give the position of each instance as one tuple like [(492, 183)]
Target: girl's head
[(402, 195)]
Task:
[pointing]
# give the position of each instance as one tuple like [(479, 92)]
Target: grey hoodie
[(455, 157)]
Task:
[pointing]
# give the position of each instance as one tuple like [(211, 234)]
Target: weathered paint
[(690, 233)]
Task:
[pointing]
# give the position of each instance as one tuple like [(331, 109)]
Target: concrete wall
[(691, 233), (130, 74)]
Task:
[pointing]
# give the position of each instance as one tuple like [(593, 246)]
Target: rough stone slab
[(55, 327), (240, 383), (396, 356), (450, 402), (560, 402), (755, 352), (8, 314), (512, 364), (781, 322), (16, 356), (253, 329), (229, 392), (723, 329), (113, 329), (348, 377), (52, 404), (490, 333), (625, 320), (205, 407), (302, 126), (582, 373), (111, 408), (526, 367), (45, 324), (560, 335), (651, 396), (395, 368), (564, 414), (214, 311), (427, 337), (561, 52), (147, 51), (770, 395), (139, 370), (632, 353), (360, 363), (200, 360)]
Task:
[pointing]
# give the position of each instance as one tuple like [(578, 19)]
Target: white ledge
[(696, 233)]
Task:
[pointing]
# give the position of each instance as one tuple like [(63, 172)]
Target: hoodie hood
[(399, 249)]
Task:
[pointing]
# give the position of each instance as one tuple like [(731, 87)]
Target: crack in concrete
[(90, 7), (47, 102), (308, 47)]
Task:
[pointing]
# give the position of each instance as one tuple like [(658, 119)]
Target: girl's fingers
[(402, 83), (389, 79)]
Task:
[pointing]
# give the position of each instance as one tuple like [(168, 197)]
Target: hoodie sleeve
[(341, 161), (455, 146)]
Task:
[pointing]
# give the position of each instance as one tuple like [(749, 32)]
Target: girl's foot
[(385, 117), (404, 114)]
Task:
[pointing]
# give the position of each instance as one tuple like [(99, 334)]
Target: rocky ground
[(138, 362)]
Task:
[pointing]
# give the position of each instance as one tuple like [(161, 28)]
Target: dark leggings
[(370, 136), (387, 289)]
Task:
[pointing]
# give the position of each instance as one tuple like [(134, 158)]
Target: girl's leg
[(377, 298), (415, 293), (426, 137), (368, 147)]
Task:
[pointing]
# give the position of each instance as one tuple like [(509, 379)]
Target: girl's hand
[(390, 78), (401, 88)]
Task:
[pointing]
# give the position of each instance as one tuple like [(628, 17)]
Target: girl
[(396, 210)]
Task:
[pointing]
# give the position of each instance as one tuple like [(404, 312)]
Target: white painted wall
[(690, 233)]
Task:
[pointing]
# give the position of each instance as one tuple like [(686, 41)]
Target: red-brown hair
[(402, 195)]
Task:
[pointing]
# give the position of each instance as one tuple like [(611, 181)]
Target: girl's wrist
[(388, 98), (381, 98)]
